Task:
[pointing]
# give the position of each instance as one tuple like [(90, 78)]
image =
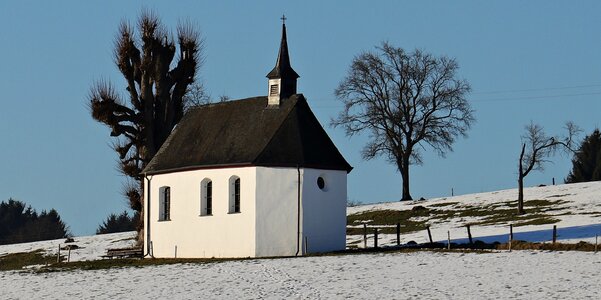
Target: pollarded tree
[(586, 164), (406, 101), (537, 146), (159, 71)]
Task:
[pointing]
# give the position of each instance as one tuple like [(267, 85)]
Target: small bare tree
[(404, 100), (537, 146)]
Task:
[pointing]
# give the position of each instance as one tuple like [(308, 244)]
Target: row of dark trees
[(20, 223), (119, 223)]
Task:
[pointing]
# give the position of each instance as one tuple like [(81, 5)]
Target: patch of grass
[(539, 203), (120, 263), (537, 213), (542, 220), (522, 245), (558, 196), (442, 204), (16, 261), (388, 217)]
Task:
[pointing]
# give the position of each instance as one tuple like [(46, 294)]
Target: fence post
[(69, 254), (306, 245), (376, 238), (364, 235), (510, 236), (429, 234), (448, 239), (398, 234), (554, 233), (469, 234), (58, 257)]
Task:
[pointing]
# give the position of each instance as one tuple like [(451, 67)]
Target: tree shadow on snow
[(537, 236)]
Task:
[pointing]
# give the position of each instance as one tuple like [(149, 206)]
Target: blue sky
[(526, 61)]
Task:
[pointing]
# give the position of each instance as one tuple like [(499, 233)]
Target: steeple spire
[(282, 79)]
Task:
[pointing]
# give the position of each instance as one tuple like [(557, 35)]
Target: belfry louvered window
[(274, 90)]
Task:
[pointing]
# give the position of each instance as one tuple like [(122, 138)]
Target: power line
[(538, 89), (536, 97)]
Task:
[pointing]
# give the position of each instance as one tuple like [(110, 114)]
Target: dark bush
[(118, 223)]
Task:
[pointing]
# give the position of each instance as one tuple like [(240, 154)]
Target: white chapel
[(254, 177)]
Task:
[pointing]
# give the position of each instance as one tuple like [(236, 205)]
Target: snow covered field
[(408, 275), (89, 247), (579, 216), (419, 275)]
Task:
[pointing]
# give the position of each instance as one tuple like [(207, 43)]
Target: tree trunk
[(521, 183), (521, 210), (405, 176)]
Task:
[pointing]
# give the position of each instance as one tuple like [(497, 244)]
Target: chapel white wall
[(220, 235), (277, 207), (324, 211)]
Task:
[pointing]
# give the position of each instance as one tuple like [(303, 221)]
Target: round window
[(321, 183)]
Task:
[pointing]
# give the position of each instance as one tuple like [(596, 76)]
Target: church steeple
[(282, 79)]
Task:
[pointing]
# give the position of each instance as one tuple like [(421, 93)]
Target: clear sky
[(527, 61)]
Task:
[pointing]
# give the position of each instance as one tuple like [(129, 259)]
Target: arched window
[(164, 203), (206, 197), (234, 203)]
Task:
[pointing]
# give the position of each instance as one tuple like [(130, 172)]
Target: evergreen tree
[(118, 223), (20, 223), (586, 164)]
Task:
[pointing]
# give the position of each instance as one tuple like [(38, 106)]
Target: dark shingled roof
[(248, 132)]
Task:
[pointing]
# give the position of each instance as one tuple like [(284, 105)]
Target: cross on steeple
[(283, 18)]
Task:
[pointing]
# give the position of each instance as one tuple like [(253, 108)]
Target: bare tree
[(537, 146), (406, 101), (158, 92)]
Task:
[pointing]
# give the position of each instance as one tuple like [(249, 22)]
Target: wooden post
[(398, 234), (449, 240), (469, 234), (553, 180), (69, 254), (429, 234), (175, 251), (306, 245), (452, 192), (364, 235), (554, 233), (58, 257), (510, 236), (376, 238)]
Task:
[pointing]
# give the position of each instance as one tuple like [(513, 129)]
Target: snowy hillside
[(574, 208), (88, 247)]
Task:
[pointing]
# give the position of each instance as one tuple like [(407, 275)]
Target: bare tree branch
[(537, 146)]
